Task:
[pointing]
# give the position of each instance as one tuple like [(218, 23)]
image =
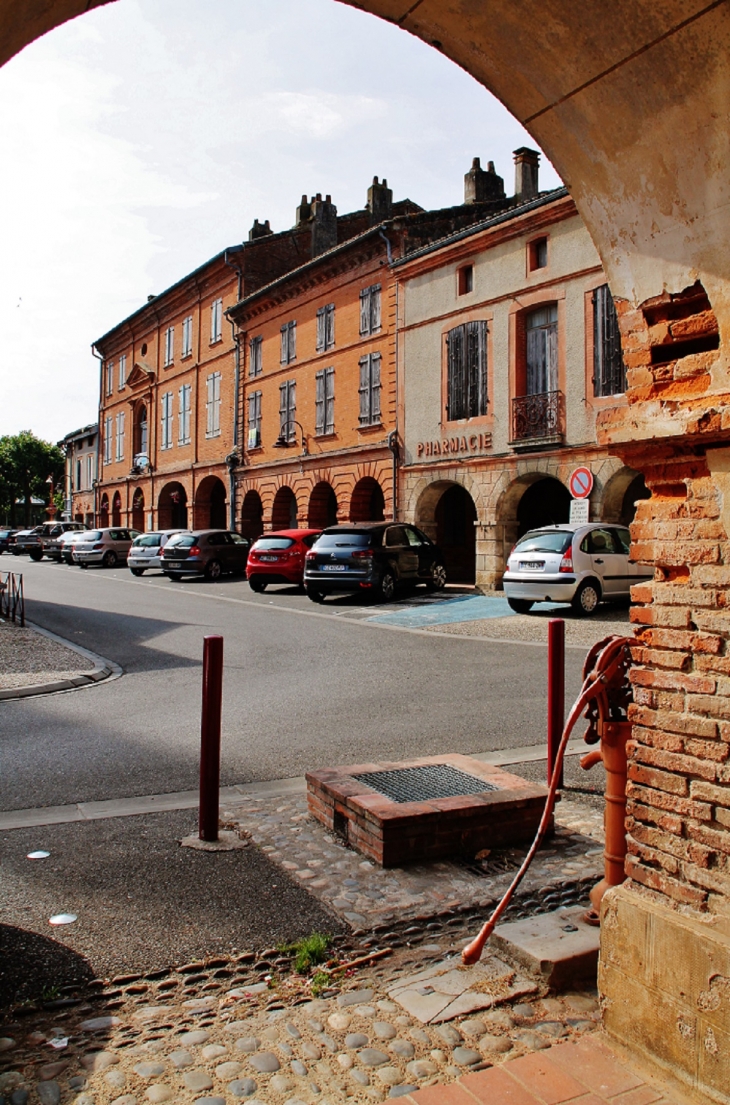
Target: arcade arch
[(210, 504), (138, 510), (622, 492), (104, 511), (322, 506), (172, 506), (252, 515), (367, 503), (284, 511), (117, 509), (447, 514)]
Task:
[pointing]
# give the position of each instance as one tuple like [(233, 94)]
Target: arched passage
[(210, 504), (284, 511), (623, 491), (446, 512), (544, 503), (322, 507), (172, 507), (138, 510), (368, 502), (252, 515), (117, 509), (104, 511)]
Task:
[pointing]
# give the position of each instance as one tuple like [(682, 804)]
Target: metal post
[(210, 737), (556, 693)]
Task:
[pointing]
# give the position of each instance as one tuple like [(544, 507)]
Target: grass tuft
[(308, 952)]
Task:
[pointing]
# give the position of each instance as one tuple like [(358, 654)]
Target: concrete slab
[(559, 947), (449, 989)]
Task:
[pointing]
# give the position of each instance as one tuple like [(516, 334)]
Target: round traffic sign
[(581, 483)]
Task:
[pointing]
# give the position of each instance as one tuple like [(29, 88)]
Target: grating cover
[(422, 784)]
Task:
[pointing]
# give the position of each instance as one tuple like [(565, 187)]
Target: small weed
[(307, 952), (50, 993), (320, 982)]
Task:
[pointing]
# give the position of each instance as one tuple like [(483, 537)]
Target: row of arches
[(367, 504), (209, 508)]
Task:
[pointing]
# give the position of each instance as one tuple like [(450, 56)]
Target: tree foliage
[(26, 462)]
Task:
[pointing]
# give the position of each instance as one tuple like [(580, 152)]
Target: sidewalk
[(36, 661)]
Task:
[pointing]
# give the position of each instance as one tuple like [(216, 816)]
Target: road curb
[(103, 669)]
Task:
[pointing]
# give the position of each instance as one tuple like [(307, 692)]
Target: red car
[(279, 557)]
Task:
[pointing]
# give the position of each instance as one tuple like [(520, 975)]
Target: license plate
[(532, 565), (269, 558), (334, 567), (174, 564)]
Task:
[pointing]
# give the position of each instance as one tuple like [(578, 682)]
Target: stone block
[(558, 947)]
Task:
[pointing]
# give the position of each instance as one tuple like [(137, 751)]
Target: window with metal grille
[(255, 356), (325, 401), (183, 415), (213, 405), (325, 328), (370, 309), (609, 371), (288, 410), (541, 354), (466, 348), (166, 420), (370, 389), (254, 419), (187, 336), (288, 342)]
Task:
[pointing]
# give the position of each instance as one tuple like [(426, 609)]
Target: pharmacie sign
[(462, 445)]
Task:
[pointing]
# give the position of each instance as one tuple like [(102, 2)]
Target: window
[(183, 417), (254, 420), (288, 410), (465, 279), (325, 401), (216, 321), (325, 328), (537, 254), (609, 372), (288, 342), (122, 370), (169, 346), (541, 352), (109, 377), (140, 431), (187, 336), (370, 309), (370, 389), (78, 476), (108, 439), (213, 405), (89, 470), (166, 420), (255, 361), (466, 350), (120, 436)]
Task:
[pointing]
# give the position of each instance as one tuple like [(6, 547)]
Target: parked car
[(5, 536), (107, 547), (51, 537), (580, 564), (146, 550), (66, 543), (207, 552), (376, 557), (25, 540), (279, 557)]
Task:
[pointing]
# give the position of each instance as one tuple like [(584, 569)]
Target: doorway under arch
[(104, 511), (368, 502), (322, 506), (117, 509), (138, 510), (546, 502), (172, 507), (636, 491), (252, 515), (210, 504), (446, 513), (284, 511)]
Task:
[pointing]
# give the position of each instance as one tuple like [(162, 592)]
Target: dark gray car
[(209, 552)]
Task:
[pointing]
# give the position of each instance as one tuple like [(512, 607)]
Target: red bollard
[(556, 693), (210, 738)]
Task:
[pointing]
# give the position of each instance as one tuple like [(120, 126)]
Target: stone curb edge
[(103, 669)]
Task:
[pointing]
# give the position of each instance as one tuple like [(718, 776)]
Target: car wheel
[(386, 587), (213, 570), (520, 606), (586, 599), (109, 559), (83, 565), (315, 595), (175, 576), (437, 582), (257, 585), (35, 554), (137, 571)]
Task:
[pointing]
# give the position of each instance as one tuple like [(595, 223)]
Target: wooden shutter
[(476, 369), (364, 389), (455, 406), (321, 327), (292, 341), (365, 311), (551, 357), (209, 405), (329, 335), (375, 387), (329, 401), (319, 418), (284, 356), (374, 308), (535, 376), (283, 407), (292, 409)]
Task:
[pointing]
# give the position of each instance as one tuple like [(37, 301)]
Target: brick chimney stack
[(481, 185), (259, 230), (527, 164), (304, 211), (380, 201), (324, 224)]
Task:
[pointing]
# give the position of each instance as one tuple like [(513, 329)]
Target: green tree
[(26, 462)]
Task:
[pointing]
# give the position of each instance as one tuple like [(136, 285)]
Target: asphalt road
[(304, 687)]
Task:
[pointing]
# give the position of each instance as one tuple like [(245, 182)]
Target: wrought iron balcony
[(537, 420)]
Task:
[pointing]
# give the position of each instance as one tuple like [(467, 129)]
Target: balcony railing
[(537, 420)]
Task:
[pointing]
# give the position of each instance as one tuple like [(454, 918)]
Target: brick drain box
[(426, 809)]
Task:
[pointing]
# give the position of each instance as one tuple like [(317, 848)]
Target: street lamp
[(283, 441)]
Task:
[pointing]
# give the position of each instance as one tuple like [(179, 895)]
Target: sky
[(142, 138)]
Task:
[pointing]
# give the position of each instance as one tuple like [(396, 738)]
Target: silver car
[(146, 550), (107, 547), (583, 565)]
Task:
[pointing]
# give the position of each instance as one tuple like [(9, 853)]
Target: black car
[(5, 535), (375, 557), (207, 552)]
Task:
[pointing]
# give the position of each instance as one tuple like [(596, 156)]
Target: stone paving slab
[(449, 989)]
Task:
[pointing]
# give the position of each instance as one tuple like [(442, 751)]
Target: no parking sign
[(581, 483)]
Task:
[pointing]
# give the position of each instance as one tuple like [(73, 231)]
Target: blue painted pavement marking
[(464, 608)]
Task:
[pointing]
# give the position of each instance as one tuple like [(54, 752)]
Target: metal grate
[(422, 784)]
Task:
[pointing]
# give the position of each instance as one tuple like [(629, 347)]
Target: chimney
[(324, 224), (380, 201), (527, 163), (480, 186), (304, 211), (259, 230)]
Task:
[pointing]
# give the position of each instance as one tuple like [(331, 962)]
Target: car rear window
[(549, 540), (93, 535), (182, 541), (266, 544), (344, 541), (148, 539)]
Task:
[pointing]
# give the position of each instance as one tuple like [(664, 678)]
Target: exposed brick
[(654, 738), (661, 658), (670, 595), (707, 879), (671, 761), (676, 617), (709, 792), (663, 800), (693, 684), (670, 822), (711, 705), (669, 843), (720, 664), (684, 639), (723, 817), (665, 884), (674, 723), (662, 780), (717, 751), (717, 839)]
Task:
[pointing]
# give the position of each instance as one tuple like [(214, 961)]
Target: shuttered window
[(183, 417), (213, 405), (122, 370), (109, 377), (370, 309), (609, 371), (187, 336), (288, 342), (254, 420), (542, 350), (255, 358), (108, 439), (325, 328), (325, 401), (120, 436), (169, 346), (288, 410), (216, 320), (466, 348), (166, 421), (370, 389)]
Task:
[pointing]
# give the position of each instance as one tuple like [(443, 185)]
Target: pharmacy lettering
[(469, 445)]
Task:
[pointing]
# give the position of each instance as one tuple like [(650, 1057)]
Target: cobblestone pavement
[(28, 658), (582, 632)]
